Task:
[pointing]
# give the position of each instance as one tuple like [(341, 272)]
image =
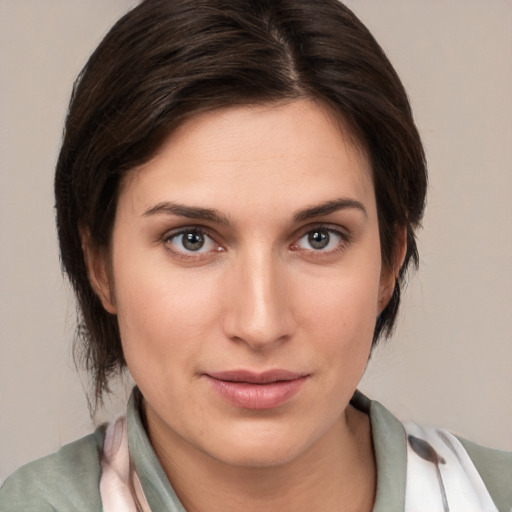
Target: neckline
[(388, 442)]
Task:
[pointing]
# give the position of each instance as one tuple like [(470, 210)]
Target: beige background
[(450, 361)]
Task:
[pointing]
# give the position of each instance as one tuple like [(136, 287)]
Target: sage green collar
[(157, 489), (390, 454), (388, 443)]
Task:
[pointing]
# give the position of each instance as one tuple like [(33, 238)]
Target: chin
[(260, 457), (261, 447)]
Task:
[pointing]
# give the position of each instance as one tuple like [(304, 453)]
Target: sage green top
[(68, 480)]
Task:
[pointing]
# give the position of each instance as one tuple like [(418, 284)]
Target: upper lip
[(251, 377)]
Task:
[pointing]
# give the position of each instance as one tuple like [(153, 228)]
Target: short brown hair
[(167, 60)]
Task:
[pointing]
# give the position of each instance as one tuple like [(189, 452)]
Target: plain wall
[(449, 362)]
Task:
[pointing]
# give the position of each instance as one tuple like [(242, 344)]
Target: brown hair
[(167, 60)]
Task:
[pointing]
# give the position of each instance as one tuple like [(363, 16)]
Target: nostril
[(257, 311)]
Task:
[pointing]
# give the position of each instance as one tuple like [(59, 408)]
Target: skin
[(256, 296)]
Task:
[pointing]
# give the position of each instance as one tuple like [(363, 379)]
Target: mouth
[(250, 390)]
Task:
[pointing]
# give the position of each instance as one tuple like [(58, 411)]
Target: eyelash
[(169, 237), (344, 238)]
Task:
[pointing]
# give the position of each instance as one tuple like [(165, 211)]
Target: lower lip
[(257, 396)]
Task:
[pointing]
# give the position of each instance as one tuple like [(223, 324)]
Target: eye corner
[(190, 243), (332, 240)]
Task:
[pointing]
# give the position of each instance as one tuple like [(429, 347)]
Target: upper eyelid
[(171, 233), (169, 236), (345, 241), (297, 235), (334, 228)]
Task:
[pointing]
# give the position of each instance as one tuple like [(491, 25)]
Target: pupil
[(318, 239), (193, 241)]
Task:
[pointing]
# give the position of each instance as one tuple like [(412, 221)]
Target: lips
[(250, 390)]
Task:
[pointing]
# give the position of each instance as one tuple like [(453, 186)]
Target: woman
[(237, 195)]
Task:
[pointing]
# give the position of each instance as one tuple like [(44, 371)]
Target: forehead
[(296, 150)]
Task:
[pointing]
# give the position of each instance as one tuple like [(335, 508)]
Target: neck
[(337, 473)]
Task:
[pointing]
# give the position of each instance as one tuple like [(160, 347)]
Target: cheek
[(164, 316), (346, 300), (340, 315)]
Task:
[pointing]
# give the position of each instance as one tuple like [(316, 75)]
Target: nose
[(259, 311)]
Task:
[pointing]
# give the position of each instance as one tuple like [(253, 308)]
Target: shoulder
[(495, 468), (67, 480)]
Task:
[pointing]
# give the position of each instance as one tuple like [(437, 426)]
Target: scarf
[(440, 475)]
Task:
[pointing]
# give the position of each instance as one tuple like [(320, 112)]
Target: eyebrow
[(191, 212), (210, 214), (330, 207)]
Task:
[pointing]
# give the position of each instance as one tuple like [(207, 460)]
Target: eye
[(191, 241), (322, 240)]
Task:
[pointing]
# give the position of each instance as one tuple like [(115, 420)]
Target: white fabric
[(120, 488), (440, 475)]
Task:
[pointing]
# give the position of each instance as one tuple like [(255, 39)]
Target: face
[(246, 277)]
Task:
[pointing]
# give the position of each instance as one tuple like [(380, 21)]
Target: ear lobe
[(96, 261), (389, 276), (386, 289)]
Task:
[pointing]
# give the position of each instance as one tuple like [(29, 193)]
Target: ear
[(97, 263), (389, 275)]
